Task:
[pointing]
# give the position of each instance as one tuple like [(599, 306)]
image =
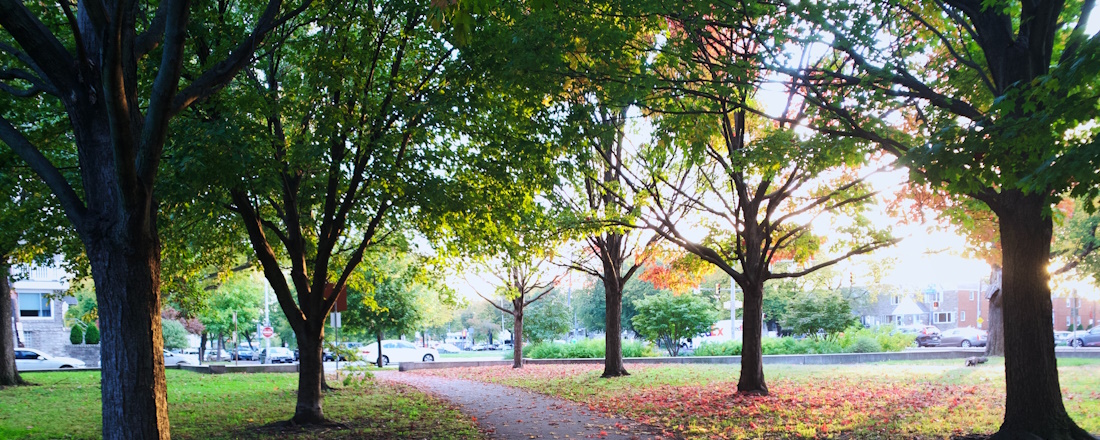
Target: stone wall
[(47, 334), (87, 353)]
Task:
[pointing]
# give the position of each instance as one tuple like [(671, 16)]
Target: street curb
[(787, 359)]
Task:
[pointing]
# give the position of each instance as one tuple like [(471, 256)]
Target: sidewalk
[(510, 413)]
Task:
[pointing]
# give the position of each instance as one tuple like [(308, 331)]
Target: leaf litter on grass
[(701, 401)]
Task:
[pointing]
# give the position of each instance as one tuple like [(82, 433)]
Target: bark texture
[(127, 284), (996, 344), (613, 338), (308, 409), (517, 332), (9, 374), (1033, 403), (752, 352)]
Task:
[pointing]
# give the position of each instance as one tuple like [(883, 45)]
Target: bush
[(855, 339), (583, 349), (92, 335), (174, 334), (724, 348), (76, 335), (865, 344)]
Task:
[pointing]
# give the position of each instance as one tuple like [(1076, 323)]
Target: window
[(971, 296), (962, 315), (944, 318), (34, 305), (1068, 321), (895, 300)]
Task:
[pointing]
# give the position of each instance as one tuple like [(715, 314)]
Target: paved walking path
[(511, 413)]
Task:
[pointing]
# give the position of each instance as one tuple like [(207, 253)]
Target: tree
[(236, 292), (811, 312), (547, 319), (523, 278), (1008, 129), (113, 70), (758, 200), (590, 303), (31, 231), (382, 298), (667, 319), (175, 335)]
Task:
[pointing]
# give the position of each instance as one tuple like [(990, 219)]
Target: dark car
[(1090, 339), (924, 335), (244, 354), (964, 337)]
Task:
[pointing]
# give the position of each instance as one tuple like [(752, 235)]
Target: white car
[(172, 358), (397, 351), (448, 348), (27, 359)]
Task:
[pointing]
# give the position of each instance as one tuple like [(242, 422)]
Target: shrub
[(865, 344), (76, 335), (724, 348), (174, 334), (92, 335), (583, 349)]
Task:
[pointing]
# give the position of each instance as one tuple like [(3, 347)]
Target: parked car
[(448, 348), (244, 354), (924, 335), (346, 349), (397, 351), (277, 355), (1062, 338), (173, 358), (964, 337), (212, 354), (29, 359), (479, 347), (1090, 339)]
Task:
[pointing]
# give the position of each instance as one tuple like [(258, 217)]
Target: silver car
[(28, 359), (964, 337)]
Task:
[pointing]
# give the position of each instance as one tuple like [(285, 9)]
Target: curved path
[(510, 413)]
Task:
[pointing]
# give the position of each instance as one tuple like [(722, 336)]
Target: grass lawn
[(67, 405), (932, 399)]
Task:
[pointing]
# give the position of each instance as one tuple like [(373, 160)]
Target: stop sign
[(268, 332)]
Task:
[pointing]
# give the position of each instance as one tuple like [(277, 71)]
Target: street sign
[(334, 319), (341, 300), (980, 320), (267, 332)]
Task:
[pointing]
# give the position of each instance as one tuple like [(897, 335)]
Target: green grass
[(67, 405), (922, 400)]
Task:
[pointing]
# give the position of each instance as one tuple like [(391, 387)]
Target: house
[(38, 311), (964, 306), (1074, 312)]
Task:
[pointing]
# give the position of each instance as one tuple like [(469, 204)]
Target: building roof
[(908, 307)]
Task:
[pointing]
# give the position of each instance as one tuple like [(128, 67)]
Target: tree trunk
[(995, 346), (202, 347), (127, 283), (613, 339), (517, 333), (379, 339), (752, 360), (1033, 403), (311, 376), (9, 374)]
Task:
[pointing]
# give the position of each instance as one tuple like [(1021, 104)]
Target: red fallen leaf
[(475, 418), (603, 433)]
